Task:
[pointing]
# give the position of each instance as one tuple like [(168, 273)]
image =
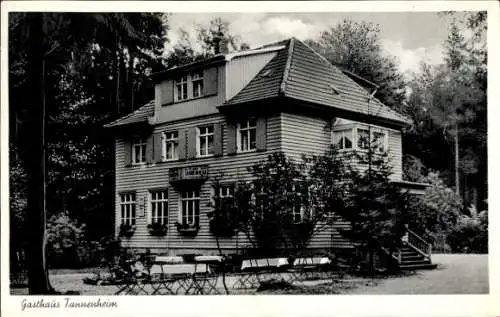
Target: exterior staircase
[(415, 254), (412, 259)]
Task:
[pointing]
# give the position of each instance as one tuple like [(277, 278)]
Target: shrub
[(434, 214), (66, 245), (470, 235)]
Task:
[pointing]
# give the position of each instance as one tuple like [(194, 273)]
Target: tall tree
[(356, 47), (448, 105), (217, 38), (38, 278), (53, 57)]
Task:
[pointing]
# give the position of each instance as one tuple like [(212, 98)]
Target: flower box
[(187, 229), (157, 229), (127, 230)]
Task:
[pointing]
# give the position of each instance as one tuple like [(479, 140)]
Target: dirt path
[(455, 274)]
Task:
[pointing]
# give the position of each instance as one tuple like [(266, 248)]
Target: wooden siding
[(311, 135), (142, 179), (242, 69), (185, 109), (304, 134)]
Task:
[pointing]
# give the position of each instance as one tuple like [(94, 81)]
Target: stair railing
[(419, 244), (396, 255)]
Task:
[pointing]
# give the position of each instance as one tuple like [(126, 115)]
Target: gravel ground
[(456, 274)]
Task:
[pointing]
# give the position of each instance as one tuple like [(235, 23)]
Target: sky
[(412, 37)]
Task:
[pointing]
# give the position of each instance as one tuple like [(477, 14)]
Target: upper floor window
[(343, 139), (159, 207), (170, 146), (377, 141), (205, 141), (363, 139), (139, 151), (359, 138), (197, 81), (127, 209), (246, 135), (380, 141), (181, 85)]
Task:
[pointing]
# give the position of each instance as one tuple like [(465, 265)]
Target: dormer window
[(197, 81), (181, 85)]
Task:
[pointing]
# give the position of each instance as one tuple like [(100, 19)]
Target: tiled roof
[(140, 115), (300, 73)]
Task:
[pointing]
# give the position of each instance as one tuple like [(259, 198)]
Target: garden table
[(253, 271), (309, 267)]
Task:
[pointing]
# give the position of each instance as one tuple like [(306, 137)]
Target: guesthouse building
[(215, 118)]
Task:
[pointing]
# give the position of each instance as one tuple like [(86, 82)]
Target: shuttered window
[(200, 83), (205, 141), (127, 209), (139, 151), (246, 135), (170, 146)]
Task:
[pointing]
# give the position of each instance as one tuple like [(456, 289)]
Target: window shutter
[(150, 148), (210, 81), (218, 139), (158, 147), (191, 143), (261, 134), (231, 138), (182, 144), (127, 154), (164, 93)]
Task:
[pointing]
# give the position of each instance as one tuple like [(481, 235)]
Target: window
[(127, 208), (159, 207), (298, 210), (205, 146), (298, 213), (343, 139), (246, 135), (182, 88), (226, 191), (170, 146), (190, 207), (197, 80), (363, 139), (139, 152), (379, 139)]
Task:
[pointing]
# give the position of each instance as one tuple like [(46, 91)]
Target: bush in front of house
[(470, 234), (434, 214)]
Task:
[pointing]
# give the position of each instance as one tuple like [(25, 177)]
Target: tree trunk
[(457, 162), (34, 157)]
